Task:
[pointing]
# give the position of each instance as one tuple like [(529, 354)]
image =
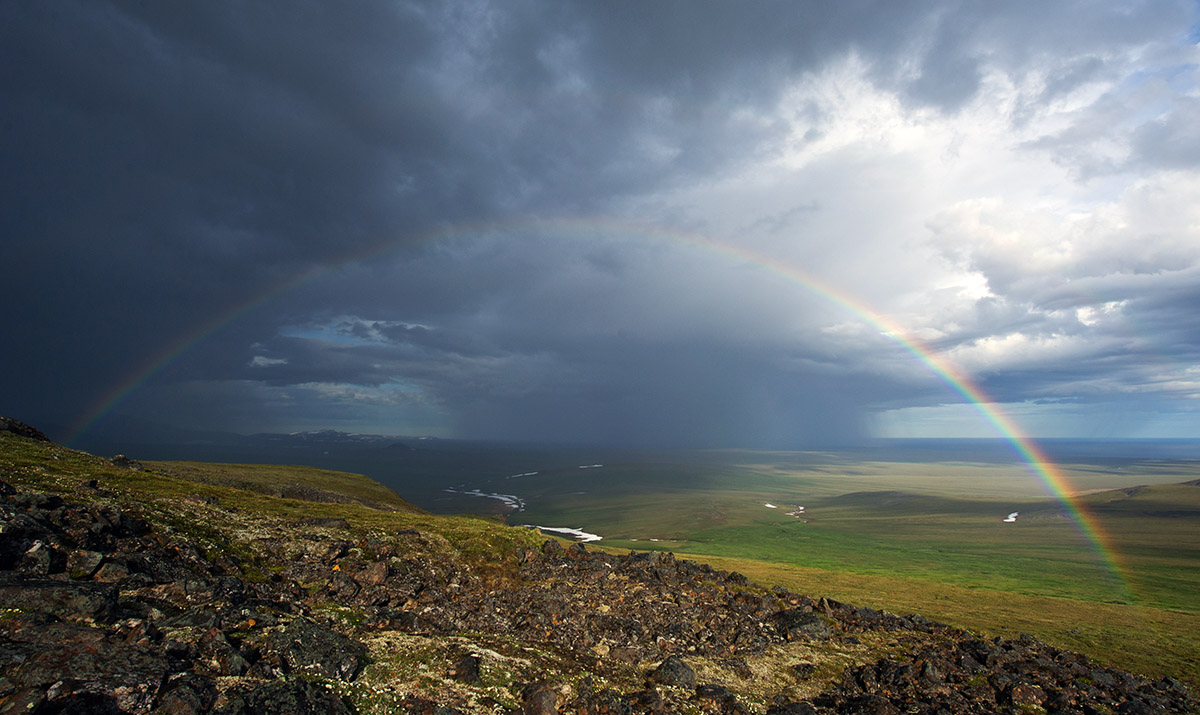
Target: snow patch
[(512, 501), (770, 506), (583, 536)]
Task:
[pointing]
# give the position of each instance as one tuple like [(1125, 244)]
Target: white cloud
[(969, 229)]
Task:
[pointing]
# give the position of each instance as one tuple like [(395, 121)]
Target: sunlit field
[(928, 537)]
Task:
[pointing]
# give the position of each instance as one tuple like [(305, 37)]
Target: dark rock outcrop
[(8, 424)]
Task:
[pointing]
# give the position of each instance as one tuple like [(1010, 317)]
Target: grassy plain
[(924, 537)]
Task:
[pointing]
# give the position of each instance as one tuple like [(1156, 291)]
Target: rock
[(78, 666), (68, 601), (27, 700), (82, 564), (62, 699), (466, 670), (674, 672), (374, 575), (307, 647), (8, 424), (723, 698), (871, 705), (285, 697), (111, 572), (1136, 707), (538, 699), (800, 624), (186, 694), (606, 702), (646, 701), (38, 559), (121, 460), (221, 654), (1024, 695)]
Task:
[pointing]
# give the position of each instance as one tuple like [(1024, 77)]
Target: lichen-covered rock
[(306, 647), (285, 697), (75, 663), (63, 600)]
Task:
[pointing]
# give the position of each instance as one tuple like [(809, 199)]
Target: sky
[(763, 224)]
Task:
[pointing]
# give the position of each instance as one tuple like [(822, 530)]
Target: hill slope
[(194, 588)]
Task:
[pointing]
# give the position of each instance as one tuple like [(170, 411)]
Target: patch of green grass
[(928, 538), (288, 480), (1149, 640), (243, 505)]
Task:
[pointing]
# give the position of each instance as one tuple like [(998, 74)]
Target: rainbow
[(1038, 462)]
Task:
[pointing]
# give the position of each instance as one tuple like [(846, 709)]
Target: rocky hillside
[(180, 589)]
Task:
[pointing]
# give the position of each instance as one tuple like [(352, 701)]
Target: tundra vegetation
[(927, 537), (133, 586)]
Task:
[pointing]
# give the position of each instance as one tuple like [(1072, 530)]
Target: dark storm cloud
[(165, 164)]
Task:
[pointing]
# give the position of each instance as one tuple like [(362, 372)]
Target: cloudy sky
[(684, 223)]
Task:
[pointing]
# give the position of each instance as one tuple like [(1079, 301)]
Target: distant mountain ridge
[(122, 430)]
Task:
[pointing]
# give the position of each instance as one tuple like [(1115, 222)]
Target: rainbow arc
[(1038, 462)]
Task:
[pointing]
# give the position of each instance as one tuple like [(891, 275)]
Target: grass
[(904, 537), (278, 480), (174, 494), (929, 538), (1149, 640)]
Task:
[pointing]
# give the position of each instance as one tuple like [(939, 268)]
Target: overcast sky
[(670, 223)]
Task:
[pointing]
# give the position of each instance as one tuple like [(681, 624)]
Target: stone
[(466, 670), (186, 694), (674, 672), (285, 697), (1024, 695), (121, 460), (8, 424), (69, 601), (111, 572), (82, 564), (538, 699), (305, 646), (800, 624), (374, 575), (79, 665)]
